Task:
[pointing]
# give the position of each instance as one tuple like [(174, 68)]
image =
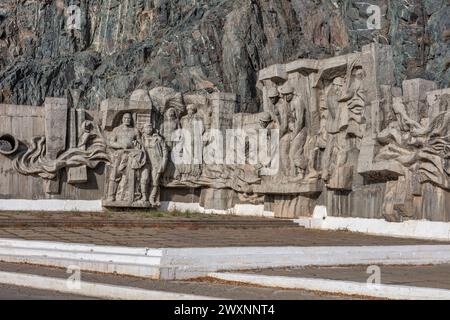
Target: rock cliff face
[(201, 45)]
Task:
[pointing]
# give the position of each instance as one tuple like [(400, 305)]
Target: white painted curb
[(141, 262), (415, 229), (350, 288), (91, 289), (51, 205)]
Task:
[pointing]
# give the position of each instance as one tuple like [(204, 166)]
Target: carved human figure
[(274, 98), (297, 130), (169, 126), (296, 108), (87, 136), (292, 162), (336, 114), (403, 129), (127, 155), (192, 123), (334, 137), (266, 122), (283, 111), (157, 155)]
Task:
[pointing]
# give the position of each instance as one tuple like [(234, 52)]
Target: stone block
[(217, 199), (52, 186), (77, 175), (415, 96), (378, 64), (276, 73), (223, 108), (56, 113), (303, 66), (342, 179), (285, 188), (290, 206)]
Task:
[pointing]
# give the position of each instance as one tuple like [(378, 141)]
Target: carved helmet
[(265, 117), (286, 89)]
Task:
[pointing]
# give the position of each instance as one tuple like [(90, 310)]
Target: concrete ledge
[(50, 205), (96, 206), (417, 229), (91, 289), (141, 262), (338, 287), (185, 263)]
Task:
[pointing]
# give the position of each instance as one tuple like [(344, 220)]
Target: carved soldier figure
[(126, 142), (157, 155), (296, 108), (282, 110), (274, 97), (286, 165), (266, 121)]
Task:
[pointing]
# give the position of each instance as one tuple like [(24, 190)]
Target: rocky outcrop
[(201, 45)]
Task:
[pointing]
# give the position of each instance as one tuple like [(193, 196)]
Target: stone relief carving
[(343, 103), (128, 157), (35, 161), (157, 158), (8, 144), (355, 99), (331, 128), (194, 126), (422, 149)]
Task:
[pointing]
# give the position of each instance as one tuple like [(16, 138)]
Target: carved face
[(171, 114), (291, 125), (191, 109), (358, 73), (274, 100), (288, 97), (148, 129), (126, 119)]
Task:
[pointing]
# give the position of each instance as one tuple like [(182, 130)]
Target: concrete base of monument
[(417, 229), (56, 205), (186, 263), (50, 205), (239, 209)]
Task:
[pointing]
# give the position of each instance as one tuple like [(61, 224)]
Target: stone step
[(189, 263)]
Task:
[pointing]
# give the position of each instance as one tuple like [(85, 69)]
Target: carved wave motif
[(34, 161)]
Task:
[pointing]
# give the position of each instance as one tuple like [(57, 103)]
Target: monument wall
[(24, 123), (335, 132)]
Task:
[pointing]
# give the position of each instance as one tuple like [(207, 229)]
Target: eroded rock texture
[(201, 45)]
